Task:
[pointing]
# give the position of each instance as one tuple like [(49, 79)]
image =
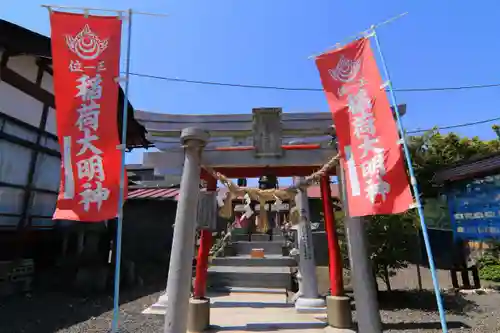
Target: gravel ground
[(401, 311), (413, 311), (50, 312)]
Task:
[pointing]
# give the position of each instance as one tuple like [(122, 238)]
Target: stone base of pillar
[(160, 307), (199, 315), (310, 305), (329, 329), (338, 309)]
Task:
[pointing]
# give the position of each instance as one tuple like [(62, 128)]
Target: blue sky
[(440, 43)]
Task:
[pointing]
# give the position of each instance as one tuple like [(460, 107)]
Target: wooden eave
[(16, 40)]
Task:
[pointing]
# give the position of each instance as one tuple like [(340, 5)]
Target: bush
[(391, 243), (489, 268), (391, 240)]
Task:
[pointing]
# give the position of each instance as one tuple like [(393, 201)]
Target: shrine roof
[(17, 40)]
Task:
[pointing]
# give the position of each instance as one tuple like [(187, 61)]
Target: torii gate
[(242, 146)]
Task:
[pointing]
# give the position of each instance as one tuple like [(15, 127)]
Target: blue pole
[(414, 184), (121, 199)]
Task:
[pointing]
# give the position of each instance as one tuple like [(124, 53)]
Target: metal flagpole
[(414, 184), (121, 199), (362, 33), (50, 7)]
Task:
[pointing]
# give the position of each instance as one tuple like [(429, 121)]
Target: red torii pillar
[(338, 305), (334, 256), (206, 240)]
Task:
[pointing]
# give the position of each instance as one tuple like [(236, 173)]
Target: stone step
[(249, 277), (243, 290), (244, 248), (256, 237), (245, 260)]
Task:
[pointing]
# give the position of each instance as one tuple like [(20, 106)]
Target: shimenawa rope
[(263, 196)]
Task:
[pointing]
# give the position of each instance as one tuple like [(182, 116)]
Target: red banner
[(86, 61), (377, 182)]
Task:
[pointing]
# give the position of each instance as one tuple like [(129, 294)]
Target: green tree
[(393, 237), (391, 243)]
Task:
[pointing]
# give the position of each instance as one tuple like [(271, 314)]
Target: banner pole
[(121, 199), (360, 34), (50, 7), (414, 184)]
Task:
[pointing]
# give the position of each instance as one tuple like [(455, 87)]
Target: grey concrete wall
[(320, 248), (316, 211), (147, 234)]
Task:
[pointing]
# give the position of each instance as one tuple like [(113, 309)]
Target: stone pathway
[(250, 312)]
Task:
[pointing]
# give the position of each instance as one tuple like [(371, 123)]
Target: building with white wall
[(29, 150)]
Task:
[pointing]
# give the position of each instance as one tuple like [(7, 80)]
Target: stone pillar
[(308, 300), (362, 279), (176, 299)]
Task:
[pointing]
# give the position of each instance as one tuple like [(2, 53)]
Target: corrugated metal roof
[(154, 193), (469, 169), (313, 192)]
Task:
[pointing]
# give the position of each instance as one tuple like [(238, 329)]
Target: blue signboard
[(475, 208)]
